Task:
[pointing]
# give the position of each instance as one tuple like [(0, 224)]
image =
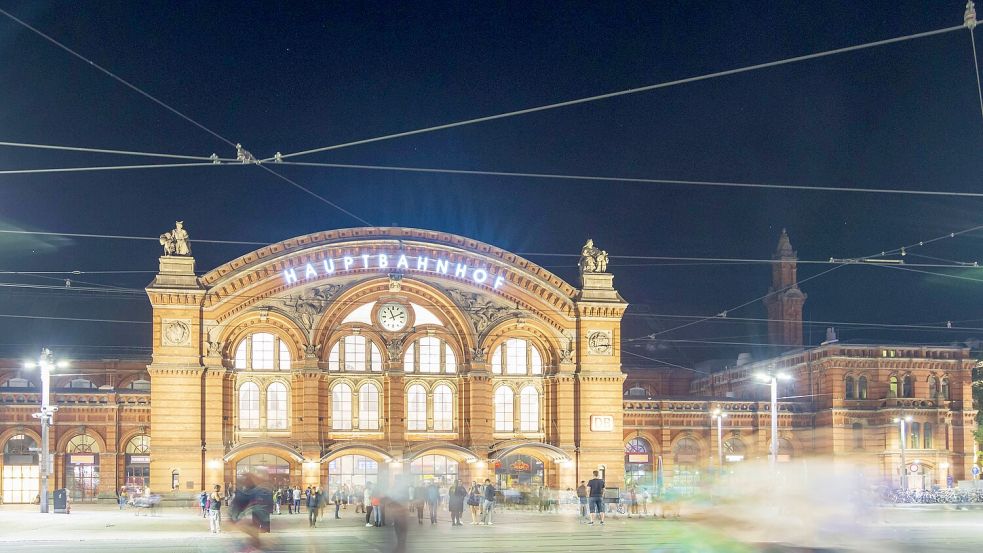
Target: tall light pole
[(772, 378), (904, 464), (45, 364), (720, 415)]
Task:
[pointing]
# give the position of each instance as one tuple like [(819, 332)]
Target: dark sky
[(291, 76)]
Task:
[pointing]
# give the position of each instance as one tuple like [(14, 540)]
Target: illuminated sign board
[(381, 261)]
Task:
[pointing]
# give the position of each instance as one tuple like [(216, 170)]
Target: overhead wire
[(638, 180), (169, 108), (103, 168), (626, 92), (113, 152)]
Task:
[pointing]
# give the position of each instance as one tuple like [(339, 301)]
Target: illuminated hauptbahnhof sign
[(381, 261)]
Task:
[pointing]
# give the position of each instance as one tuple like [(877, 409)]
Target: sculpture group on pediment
[(176, 241), (593, 259), (481, 311), (311, 303)]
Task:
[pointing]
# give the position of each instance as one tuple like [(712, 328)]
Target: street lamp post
[(772, 378), (904, 464), (44, 364), (720, 415)]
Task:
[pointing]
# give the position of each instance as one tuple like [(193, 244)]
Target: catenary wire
[(103, 168), (113, 152), (635, 90), (638, 180), (165, 106)]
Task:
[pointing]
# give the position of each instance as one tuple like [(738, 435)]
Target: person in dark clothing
[(488, 505), (595, 490), (455, 502), (313, 506), (582, 499), (432, 497), (417, 494), (256, 500)]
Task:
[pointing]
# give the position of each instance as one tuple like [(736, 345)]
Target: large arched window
[(429, 355), (355, 353), (914, 435), (504, 405), (862, 387), (249, 406), (529, 410), (83, 443), (906, 388), (944, 389), (933, 387), (276, 406), (368, 407), (443, 408), (262, 351), (893, 386), (927, 442), (341, 407), (139, 445), (416, 408), (849, 389), (517, 356)]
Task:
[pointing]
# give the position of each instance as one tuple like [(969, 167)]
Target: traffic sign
[(976, 470), (913, 467)]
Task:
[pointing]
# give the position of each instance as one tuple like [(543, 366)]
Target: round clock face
[(393, 316)]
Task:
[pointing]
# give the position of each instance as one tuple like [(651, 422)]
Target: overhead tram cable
[(638, 180), (213, 158), (627, 92), (164, 105)]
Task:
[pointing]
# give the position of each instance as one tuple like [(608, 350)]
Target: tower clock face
[(393, 316)]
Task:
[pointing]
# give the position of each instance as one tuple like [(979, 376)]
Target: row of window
[(857, 388), (356, 353), (431, 411), (915, 438)]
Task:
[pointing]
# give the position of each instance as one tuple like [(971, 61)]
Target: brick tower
[(784, 300)]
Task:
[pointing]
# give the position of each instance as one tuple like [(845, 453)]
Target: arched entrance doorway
[(520, 471), (686, 470), (82, 468), (137, 464), (351, 472), (439, 468), (638, 464), (21, 474), (276, 468)]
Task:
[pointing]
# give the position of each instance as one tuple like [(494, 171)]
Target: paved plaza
[(91, 528)]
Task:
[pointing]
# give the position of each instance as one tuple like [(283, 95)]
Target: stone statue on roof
[(176, 241), (593, 259)]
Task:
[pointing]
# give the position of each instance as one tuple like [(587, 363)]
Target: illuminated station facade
[(394, 354)]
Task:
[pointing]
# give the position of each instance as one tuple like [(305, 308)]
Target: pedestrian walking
[(474, 502), (416, 501), (432, 498), (595, 491), (277, 497), (297, 501), (582, 500), (202, 501), (288, 496), (367, 504), (313, 506), (632, 502), (360, 499), (215, 510), (336, 498), (455, 502), (122, 498), (488, 505)]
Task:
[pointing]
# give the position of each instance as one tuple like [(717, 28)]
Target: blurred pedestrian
[(313, 506), (297, 500), (488, 505), (432, 498), (215, 510), (474, 502), (455, 502)]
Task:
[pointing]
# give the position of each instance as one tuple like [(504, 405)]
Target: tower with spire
[(784, 300)]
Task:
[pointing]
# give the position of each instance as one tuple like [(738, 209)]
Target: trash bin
[(61, 501)]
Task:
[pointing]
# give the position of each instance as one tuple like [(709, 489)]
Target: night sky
[(290, 76)]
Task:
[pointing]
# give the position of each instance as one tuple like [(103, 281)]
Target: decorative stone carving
[(480, 311), (599, 342), (311, 303), (175, 332), (311, 351), (395, 282), (176, 241), (214, 346), (479, 355), (394, 348), (593, 259)]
